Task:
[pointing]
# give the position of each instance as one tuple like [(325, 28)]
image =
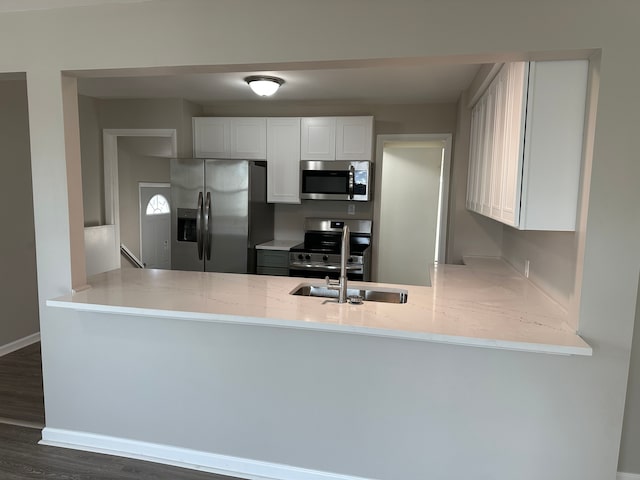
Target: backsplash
[(289, 219)]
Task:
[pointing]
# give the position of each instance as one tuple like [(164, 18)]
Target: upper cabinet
[(336, 138), (210, 137), (283, 160), (526, 145), (318, 138), (230, 137), (283, 142)]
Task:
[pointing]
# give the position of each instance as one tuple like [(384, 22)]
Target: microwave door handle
[(352, 173), (199, 234)]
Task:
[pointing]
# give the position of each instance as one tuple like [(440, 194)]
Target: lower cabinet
[(273, 262)]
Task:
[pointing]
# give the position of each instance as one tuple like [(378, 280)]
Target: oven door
[(321, 271), (334, 180)]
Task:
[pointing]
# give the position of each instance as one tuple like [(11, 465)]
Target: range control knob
[(307, 257), (325, 258), (300, 257), (350, 260)]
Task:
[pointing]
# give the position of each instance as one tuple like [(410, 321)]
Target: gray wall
[(370, 407), (554, 417), (97, 114), (92, 163), (18, 284), (552, 260), (152, 113), (630, 448)]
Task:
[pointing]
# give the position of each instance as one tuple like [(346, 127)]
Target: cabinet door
[(210, 137), (483, 167), (513, 131), (354, 138), (479, 157), (318, 138), (488, 151), (497, 155), (553, 144), (474, 160), (273, 258), (283, 160), (248, 138)]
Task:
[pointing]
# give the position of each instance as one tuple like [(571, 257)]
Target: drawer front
[(273, 258), (272, 271)]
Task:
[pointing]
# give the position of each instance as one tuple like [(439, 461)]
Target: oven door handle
[(309, 266), (352, 181)]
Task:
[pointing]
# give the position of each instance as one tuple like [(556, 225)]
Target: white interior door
[(409, 214), (155, 225)]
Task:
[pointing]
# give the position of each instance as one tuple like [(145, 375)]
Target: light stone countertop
[(278, 245), (485, 303)]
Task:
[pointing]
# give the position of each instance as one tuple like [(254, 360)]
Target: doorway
[(102, 243), (411, 211), (155, 224)]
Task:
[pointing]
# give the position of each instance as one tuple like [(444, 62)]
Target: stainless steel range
[(319, 255)]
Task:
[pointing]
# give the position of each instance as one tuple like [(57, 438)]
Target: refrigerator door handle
[(207, 219), (199, 226)]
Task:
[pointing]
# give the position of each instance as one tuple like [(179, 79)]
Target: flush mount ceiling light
[(263, 85)]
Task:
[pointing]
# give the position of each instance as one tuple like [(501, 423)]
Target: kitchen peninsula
[(207, 370), (484, 303)]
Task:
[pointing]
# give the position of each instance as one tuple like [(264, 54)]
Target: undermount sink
[(380, 294)]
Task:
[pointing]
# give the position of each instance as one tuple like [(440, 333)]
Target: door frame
[(142, 185), (443, 197), (110, 155)]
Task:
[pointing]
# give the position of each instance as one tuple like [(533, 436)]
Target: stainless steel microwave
[(335, 180)]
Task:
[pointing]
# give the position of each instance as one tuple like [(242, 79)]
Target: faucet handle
[(328, 281)]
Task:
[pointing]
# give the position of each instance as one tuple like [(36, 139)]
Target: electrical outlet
[(526, 268), (351, 209)]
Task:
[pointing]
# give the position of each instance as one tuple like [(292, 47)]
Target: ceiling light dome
[(263, 85)]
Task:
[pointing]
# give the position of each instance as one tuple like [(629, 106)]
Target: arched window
[(158, 205)]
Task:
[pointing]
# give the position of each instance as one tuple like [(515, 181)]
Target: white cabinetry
[(354, 138), (210, 137), (283, 160), (336, 138), (318, 138), (230, 137), (526, 145)]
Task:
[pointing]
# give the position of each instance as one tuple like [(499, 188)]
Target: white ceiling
[(416, 81)]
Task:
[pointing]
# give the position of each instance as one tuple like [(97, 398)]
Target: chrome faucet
[(341, 286)]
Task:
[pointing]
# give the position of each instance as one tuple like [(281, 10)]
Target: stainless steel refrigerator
[(219, 212)]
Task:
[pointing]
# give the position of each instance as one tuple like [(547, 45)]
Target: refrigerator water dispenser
[(187, 224)]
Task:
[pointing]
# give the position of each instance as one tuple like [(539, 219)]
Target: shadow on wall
[(629, 460), (18, 297)]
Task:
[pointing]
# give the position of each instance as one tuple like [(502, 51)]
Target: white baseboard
[(18, 344), (627, 476), (182, 457)]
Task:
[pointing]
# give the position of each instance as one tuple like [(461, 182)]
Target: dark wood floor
[(21, 420), (21, 397), (22, 458)]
